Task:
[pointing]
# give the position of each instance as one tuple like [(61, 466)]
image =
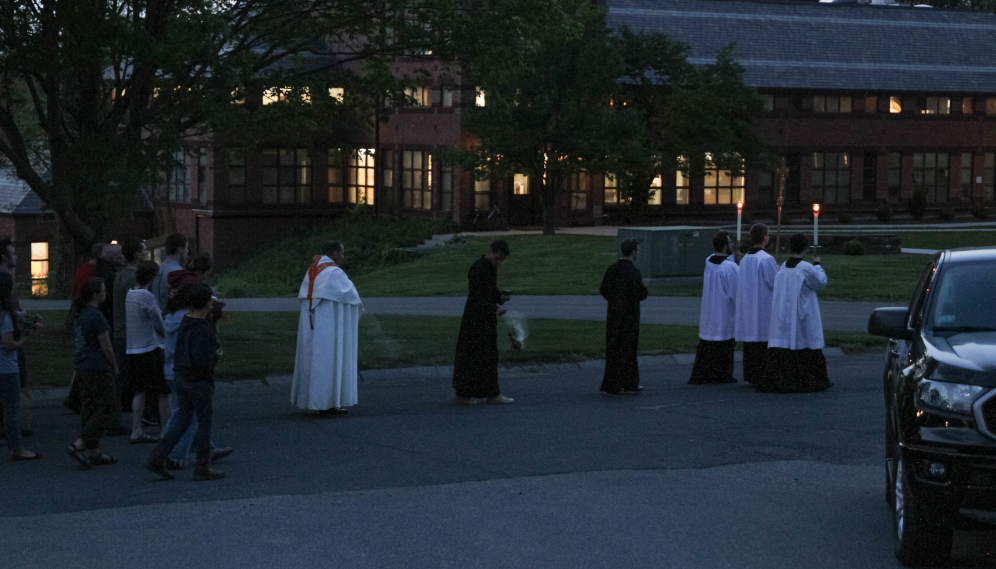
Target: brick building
[(867, 103)]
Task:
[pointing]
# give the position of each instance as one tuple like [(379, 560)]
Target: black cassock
[(623, 287), (475, 371)]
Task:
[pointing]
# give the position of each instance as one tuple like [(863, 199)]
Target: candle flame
[(816, 208), (740, 205)]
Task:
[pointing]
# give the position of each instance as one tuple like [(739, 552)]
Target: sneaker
[(464, 400), (220, 453), (499, 399), (204, 473), (174, 464), (158, 465)]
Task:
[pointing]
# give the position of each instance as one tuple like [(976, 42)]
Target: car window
[(916, 302), (964, 299)]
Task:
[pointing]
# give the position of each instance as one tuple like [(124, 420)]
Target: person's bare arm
[(105, 346), (9, 344)]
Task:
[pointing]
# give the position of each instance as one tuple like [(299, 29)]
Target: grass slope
[(948, 239), (259, 344)]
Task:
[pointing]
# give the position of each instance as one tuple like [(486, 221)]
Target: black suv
[(940, 400)]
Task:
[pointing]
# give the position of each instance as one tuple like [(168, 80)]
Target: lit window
[(520, 185), (480, 98), (966, 106), (991, 107), (482, 194), (337, 93), (871, 104), (361, 176), (416, 179), (655, 191), (681, 188), (39, 269), (419, 96), (831, 177), (279, 94), (895, 105), (611, 190), (721, 186), (936, 106)]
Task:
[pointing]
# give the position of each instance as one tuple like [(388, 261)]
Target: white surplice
[(755, 285), (719, 297), (795, 311), (325, 368)]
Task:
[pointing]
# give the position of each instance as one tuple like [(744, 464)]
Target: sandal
[(103, 459), (143, 439), (78, 456)]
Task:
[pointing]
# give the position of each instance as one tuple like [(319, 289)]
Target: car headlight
[(947, 397)]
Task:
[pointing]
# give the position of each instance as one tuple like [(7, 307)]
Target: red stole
[(313, 272)]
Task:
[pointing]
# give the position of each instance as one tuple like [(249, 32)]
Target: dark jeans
[(125, 390), (10, 402), (195, 398), (99, 406)]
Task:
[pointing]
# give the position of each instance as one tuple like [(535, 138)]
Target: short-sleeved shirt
[(8, 360), (90, 324)]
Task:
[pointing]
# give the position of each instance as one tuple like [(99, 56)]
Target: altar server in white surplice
[(795, 338), (755, 284), (325, 370), (714, 354)]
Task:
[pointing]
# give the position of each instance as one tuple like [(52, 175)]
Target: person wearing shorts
[(145, 337)]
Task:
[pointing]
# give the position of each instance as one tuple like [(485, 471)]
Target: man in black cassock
[(623, 287), (475, 371)]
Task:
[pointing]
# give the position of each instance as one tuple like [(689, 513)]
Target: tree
[(690, 116), (96, 96), (547, 73)]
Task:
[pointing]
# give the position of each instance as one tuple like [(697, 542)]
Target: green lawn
[(573, 264), (948, 239), (258, 344)]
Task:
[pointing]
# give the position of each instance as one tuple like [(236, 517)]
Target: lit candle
[(816, 224), (740, 208)]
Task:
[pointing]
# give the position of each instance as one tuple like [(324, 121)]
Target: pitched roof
[(811, 45), (15, 195)]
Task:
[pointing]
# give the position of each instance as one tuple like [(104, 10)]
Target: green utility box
[(677, 251)]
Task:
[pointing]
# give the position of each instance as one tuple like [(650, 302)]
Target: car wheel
[(918, 543)]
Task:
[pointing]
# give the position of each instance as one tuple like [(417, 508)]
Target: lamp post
[(816, 225), (740, 210), (782, 173)]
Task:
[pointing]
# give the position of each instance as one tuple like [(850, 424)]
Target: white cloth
[(144, 329), (719, 297), (795, 311), (755, 285), (325, 367)]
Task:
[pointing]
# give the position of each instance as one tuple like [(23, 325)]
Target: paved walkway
[(837, 316)]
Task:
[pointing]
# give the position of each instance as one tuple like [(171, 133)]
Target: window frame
[(299, 190), (820, 172), (923, 172), (420, 194)]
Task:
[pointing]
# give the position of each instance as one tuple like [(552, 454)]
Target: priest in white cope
[(714, 354), (325, 371), (795, 337), (755, 285)]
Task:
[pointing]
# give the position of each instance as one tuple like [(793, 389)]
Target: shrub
[(946, 214), (854, 247), (918, 205), (980, 211), (234, 288), (884, 212), (844, 217)]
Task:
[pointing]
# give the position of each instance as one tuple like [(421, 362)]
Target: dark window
[(179, 178), (869, 178), (895, 175), (236, 176), (931, 175), (336, 181), (446, 187), (579, 191), (871, 104), (793, 179), (987, 176), (966, 175), (286, 176), (766, 187), (831, 177), (416, 179), (831, 103), (202, 175), (387, 171), (769, 102)]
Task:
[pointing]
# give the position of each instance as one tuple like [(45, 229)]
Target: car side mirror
[(890, 322)]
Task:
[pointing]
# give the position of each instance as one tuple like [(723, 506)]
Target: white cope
[(755, 285), (719, 297), (795, 311)]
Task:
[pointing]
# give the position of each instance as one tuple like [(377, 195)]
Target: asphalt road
[(680, 476)]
